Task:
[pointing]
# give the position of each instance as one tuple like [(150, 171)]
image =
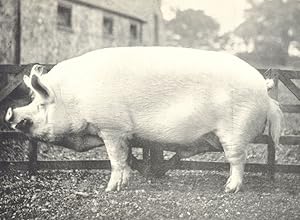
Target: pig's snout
[(9, 115), (23, 125)]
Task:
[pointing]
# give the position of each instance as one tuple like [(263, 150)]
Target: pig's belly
[(207, 142), (179, 130)]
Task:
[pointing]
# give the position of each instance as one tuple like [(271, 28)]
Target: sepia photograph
[(150, 109)]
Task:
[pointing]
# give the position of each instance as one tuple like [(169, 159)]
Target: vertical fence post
[(271, 157), (271, 147), (156, 156), (3, 80), (32, 166), (146, 153), (153, 158), (158, 167)]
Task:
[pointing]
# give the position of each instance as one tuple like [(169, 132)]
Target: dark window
[(133, 32), (108, 26), (64, 16)]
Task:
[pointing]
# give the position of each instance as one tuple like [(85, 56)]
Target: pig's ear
[(41, 88), (37, 69), (26, 80)]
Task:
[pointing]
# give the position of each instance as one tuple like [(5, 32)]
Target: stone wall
[(150, 9), (144, 9), (8, 21), (85, 34), (38, 21), (43, 41)]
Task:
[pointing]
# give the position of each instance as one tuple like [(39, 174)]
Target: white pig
[(161, 94)]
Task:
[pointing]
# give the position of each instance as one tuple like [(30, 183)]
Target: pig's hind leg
[(235, 153), (234, 146), (235, 133), (236, 130), (117, 150)]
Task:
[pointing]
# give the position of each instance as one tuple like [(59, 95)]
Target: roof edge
[(90, 5)]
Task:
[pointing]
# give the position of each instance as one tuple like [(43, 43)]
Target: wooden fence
[(11, 77)]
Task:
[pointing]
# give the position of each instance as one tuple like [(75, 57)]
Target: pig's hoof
[(118, 180), (233, 185), (110, 188)]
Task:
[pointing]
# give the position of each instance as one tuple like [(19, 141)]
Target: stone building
[(48, 31)]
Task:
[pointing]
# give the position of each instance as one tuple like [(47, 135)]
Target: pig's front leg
[(118, 153)]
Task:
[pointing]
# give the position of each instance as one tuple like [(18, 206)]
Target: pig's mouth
[(23, 125)]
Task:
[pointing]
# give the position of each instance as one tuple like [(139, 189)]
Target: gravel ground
[(179, 195)]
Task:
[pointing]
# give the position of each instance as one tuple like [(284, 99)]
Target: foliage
[(192, 28), (271, 26)]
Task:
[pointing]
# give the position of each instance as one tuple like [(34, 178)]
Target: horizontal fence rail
[(16, 69)]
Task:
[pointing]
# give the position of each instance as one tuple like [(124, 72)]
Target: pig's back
[(127, 63)]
